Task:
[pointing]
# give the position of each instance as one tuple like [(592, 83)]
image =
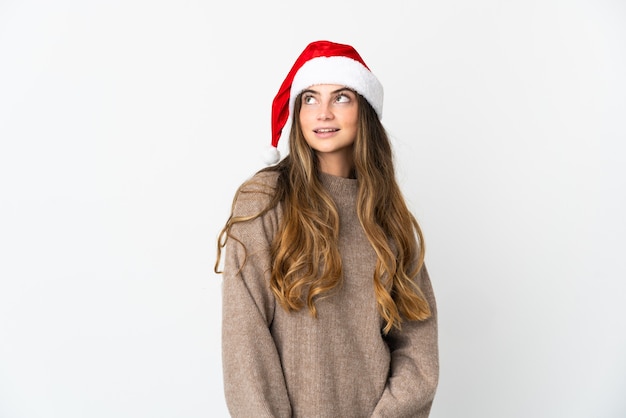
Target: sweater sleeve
[(254, 384), (414, 372)]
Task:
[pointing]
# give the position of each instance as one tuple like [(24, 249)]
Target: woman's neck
[(336, 165)]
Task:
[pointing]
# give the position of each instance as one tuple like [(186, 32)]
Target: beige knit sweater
[(280, 364)]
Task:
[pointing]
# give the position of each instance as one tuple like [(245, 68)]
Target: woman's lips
[(325, 130)]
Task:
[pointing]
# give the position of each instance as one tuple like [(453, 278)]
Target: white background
[(126, 126)]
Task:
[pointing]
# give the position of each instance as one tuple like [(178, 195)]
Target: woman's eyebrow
[(311, 91), (341, 89)]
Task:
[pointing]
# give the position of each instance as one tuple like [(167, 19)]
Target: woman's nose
[(325, 112)]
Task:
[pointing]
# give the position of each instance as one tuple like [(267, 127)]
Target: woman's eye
[(308, 100), (343, 98)]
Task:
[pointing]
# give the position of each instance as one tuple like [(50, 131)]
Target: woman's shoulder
[(256, 193), (261, 182)]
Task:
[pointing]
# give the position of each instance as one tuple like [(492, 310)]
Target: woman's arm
[(253, 378), (414, 373)]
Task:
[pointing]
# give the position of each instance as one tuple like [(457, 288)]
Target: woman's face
[(328, 118)]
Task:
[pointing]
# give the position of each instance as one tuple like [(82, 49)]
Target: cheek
[(352, 117), (305, 119), (306, 124)]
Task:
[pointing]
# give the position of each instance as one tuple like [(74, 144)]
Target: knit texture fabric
[(289, 364)]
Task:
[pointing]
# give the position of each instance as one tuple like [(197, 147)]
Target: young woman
[(328, 310)]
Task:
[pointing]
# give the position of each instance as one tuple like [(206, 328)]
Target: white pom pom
[(271, 155)]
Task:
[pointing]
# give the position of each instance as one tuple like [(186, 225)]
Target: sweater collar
[(339, 186)]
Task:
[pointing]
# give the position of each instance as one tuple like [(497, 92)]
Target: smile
[(325, 130)]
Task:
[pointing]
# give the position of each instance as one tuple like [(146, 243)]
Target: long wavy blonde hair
[(305, 260)]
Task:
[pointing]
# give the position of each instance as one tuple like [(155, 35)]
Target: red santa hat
[(322, 62)]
